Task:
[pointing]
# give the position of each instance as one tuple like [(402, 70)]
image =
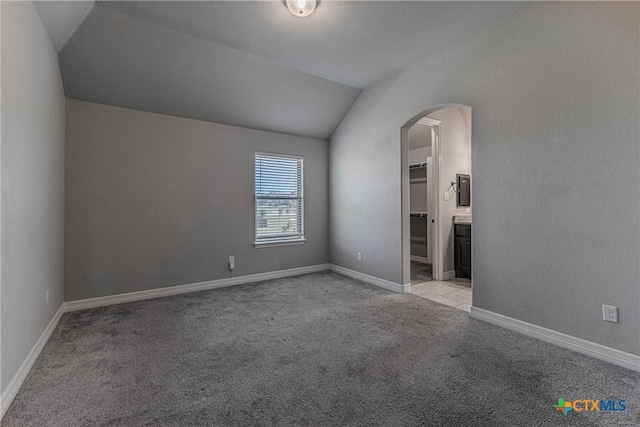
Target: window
[(279, 199)]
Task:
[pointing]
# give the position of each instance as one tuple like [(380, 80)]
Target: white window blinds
[(279, 198)]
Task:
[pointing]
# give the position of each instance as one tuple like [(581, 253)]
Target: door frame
[(437, 261)]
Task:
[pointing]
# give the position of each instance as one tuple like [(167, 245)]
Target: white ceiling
[(62, 18), (355, 43), (419, 136), (114, 59), (253, 64)]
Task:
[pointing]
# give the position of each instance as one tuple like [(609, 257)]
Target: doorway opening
[(437, 205)]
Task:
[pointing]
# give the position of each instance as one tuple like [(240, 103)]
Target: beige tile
[(419, 285), (426, 286), (447, 285), (439, 282), (446, 301), (439, 288), (417, 288), (465, 307), (464, 297), (444, 293), (462, 282), (425, 293), (458, 287)]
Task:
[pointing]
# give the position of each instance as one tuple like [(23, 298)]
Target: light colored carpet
[(319, 349)]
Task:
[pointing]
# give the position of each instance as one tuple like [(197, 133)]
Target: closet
[(420, 217)]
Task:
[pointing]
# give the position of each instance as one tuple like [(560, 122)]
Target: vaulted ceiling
[(253, 64)]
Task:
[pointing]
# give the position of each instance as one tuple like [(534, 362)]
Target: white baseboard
[(391, 286), (193, 287), (420, 259), (617, 357), (449, 275), (23, 370)]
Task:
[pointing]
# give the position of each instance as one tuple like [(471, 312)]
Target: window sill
[(260, 245)]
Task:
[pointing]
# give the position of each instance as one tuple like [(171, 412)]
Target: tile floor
[(420, 272), (454, 293)]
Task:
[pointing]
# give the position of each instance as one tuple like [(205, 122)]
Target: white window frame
[(295, 239)]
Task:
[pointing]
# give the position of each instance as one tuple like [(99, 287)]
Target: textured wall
[(154, 200), (555, 97), (32, 183), (455, 152)]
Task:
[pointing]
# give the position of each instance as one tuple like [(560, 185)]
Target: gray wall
[(32, 184), (155, 201), (555, 97), (455, 154)]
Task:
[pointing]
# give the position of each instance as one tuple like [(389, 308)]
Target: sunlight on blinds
[(279, 198)]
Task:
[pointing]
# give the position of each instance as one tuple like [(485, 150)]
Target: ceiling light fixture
[(301, 8)]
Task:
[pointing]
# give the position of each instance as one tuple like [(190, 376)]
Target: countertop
[(462, 219)]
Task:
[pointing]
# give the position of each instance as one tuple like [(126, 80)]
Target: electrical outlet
[(447, 196), (610, 313), (46, 296), (359, 256), (232, 262)]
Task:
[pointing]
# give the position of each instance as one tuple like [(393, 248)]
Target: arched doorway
[(448, 129)]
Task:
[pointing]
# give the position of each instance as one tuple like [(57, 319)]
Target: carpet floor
[(319, 350)]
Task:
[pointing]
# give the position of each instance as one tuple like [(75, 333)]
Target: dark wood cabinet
[(462, 249)]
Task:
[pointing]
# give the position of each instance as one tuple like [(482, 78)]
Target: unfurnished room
[(319, 213)]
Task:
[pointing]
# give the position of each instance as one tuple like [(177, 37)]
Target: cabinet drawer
[(462, 230)]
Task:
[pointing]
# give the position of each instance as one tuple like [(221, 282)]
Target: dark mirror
[(464, 190)]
